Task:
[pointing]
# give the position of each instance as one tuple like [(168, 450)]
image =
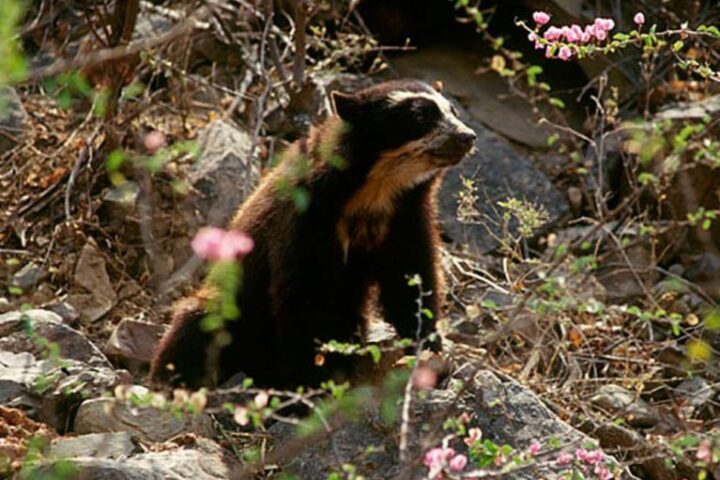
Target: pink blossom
[(603, 473), (606, 24), (425, 378), (565, 53), (564, 458), (154, 141), (534, 448), (436, 457), (552, 34), (549, 51), (591, 458), (217, 244), (458, 462), (577, 32), (639, 19), (571, 35), (704, 453), (601, 34), (474, 436), (541, 18)]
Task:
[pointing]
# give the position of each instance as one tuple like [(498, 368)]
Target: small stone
[(132, 342), (696, 391), (91, 272), (122, 199), (28, 276), (90, 308), (5, 305), (67, 312), (616, 399)]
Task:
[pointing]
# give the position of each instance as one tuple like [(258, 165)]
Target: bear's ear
[(346, 105)]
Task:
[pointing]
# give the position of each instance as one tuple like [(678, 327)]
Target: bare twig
[(115, 53)]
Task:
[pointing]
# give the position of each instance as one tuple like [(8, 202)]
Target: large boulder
[(505, 411), (102, 415), (497, 172), (188, 459), (224, 174)]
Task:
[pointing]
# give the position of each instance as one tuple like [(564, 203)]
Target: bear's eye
[(425, 111)]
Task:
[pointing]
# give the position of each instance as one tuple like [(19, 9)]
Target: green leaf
[(712, 321), (374, 352), (556, 102)]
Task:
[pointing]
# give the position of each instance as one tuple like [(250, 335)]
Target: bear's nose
[(467, 137)]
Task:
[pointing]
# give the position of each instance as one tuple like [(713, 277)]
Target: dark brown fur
[(369, 224)]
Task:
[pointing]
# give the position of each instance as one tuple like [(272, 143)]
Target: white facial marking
[(449, 122)]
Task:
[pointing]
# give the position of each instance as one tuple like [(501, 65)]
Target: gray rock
[(504, 410), (99, 415), (47, 390), (133, 342), (13, 119), (47, 368), (96, 445), (696, 391), (498, 172), (30, 330), (121, 201), (90, 308), (617, 400), (28, 276), (91, 275), (91, 272), (223, 175), (67, 312), (5, 305), (195, 459)]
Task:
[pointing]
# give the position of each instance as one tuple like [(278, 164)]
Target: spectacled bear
[(370, 173)]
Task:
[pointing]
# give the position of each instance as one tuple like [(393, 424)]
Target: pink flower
[(591, 458), (548, 51), (217, 244), (571, 35), (601, 34), (552, 34), (436, 457), (577, 32), (154, 141), (606, 24), (603, 473), (564, 458), (639, 19), (458, 462), (565, 53), (474, 436), (425, 378), (704, 453), (590, 31), (541, 18), (534, 448)]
